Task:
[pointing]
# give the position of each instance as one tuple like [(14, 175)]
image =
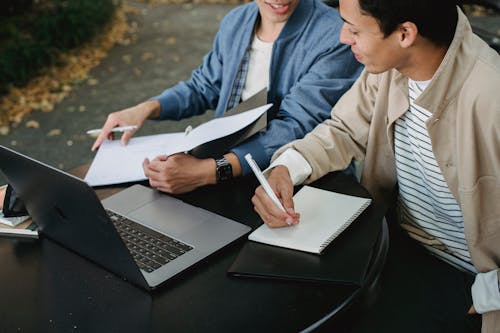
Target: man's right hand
[(281, 184), (132, 116)]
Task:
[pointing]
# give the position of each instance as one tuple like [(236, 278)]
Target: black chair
[(365, 296)]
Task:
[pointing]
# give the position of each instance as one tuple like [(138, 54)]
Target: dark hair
[(436, 20)]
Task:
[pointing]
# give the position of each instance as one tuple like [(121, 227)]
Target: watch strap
[(223, 170)]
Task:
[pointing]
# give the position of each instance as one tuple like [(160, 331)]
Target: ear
[(408, 33)]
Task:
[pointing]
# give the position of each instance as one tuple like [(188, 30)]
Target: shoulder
[(483, 81), (325, 17)]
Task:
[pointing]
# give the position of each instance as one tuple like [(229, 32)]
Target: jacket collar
[(452, 72), (297, 20)]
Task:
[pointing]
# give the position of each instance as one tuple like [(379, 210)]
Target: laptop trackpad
[(169, 215)]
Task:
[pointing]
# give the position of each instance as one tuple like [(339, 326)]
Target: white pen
[(263, 181), (114, 130), (188, 130)]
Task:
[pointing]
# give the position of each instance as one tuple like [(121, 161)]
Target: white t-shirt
[(258, 68)]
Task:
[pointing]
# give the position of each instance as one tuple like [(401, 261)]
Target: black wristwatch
[(223, 170)]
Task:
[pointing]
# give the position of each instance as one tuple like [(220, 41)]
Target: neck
[(423, 61), (268, 31)]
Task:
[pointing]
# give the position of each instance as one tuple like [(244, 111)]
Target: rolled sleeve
[(486, 292), (298, 168)]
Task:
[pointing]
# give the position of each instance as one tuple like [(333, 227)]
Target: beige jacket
[(464, 99)]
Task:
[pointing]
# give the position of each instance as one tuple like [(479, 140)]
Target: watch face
[(224, 170)]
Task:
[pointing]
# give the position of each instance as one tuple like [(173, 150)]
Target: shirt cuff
[(486, 292), (298, 168)]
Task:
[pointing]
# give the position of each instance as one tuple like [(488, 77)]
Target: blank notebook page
[(323, 216)]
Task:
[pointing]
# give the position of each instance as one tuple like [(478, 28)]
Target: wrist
[(150, 109), (210, 175)]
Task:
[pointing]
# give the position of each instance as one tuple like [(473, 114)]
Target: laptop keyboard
[(150, 249)]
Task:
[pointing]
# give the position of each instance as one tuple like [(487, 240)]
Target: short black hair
[(436, 20)]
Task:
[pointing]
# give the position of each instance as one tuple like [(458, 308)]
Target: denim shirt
[(310, 69)]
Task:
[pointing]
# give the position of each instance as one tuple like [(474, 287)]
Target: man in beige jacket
[(424, 117)]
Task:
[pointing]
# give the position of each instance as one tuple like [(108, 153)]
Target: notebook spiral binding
[(344, 226)]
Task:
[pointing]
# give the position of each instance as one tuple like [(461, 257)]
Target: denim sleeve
[(199, 93), (308, 103)]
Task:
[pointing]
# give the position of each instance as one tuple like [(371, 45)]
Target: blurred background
[(66, 64)]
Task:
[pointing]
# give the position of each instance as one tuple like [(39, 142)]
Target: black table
[(47, 288)]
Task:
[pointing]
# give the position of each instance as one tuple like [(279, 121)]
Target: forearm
[(151, 109)]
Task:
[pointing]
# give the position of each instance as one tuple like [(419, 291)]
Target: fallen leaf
[(171, 41), (147, 56), (4, 130), (92, 82), (54, 132), (32, 124), (127, 59)]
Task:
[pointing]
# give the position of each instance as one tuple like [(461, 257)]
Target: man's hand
[(274, 217), (179, 173), (132, 116), (472, 310), (3, 189)]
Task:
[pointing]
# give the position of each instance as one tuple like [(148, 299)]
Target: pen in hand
[(120, 129), (263, 181)]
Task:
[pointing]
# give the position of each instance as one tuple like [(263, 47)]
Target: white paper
[(12, 221), (115, 163), (323, 215)]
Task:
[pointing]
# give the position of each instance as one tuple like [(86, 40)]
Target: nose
[(345, 35)]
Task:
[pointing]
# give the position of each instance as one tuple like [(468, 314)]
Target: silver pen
[(120, 129)]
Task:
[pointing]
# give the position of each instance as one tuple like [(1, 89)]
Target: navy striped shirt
[(427, 209)]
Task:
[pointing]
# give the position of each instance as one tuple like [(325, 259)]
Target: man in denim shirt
[(290, 47)]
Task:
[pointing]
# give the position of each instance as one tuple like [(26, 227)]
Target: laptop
[(140, 234)]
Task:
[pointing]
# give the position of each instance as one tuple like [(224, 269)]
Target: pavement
[(170, 41)]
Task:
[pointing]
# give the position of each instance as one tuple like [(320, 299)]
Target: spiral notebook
[(323, 216)]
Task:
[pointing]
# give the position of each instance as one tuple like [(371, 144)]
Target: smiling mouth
[(278, 6)]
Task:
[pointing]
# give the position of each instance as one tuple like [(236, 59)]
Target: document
[(115, 163), (323, 216), (25, 229)]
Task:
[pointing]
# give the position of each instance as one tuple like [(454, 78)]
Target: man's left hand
[(179, 173)]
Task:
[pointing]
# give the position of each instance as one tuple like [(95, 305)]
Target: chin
[(374, 69)]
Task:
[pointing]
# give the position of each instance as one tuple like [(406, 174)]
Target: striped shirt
[(427, 209)]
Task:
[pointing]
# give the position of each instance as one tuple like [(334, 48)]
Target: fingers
[(127, 117), (105, 132), (153, 171), (270, 213), (126, 136)]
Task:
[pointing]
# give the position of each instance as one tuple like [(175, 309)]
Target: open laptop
[(149, 237)]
